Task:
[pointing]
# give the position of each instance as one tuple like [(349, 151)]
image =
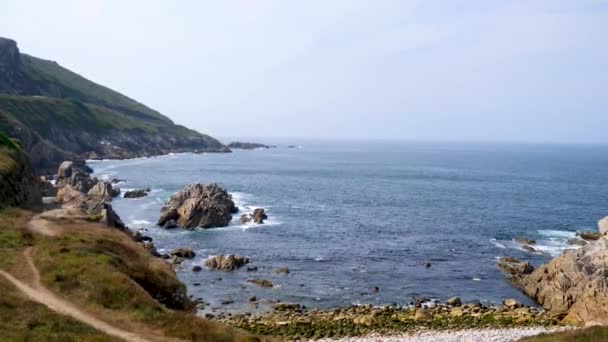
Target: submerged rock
[(183, 253), (577, 242), (282, 270), (226, 263), (261, 282), (524, 240), (198, 205)]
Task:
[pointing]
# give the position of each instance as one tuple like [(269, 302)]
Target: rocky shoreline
[(208, 206), (298, 323)]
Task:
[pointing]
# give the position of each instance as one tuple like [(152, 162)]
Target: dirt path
[(38, 293)]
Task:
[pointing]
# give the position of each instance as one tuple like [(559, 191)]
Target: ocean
[(373, 222)]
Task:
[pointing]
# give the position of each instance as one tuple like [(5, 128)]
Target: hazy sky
[(450, 70)]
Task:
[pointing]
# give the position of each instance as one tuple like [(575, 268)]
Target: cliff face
[(18, 184), (59, 115)]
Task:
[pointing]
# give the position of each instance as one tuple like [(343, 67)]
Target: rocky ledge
[(198, 205), (573, 286), (246, 145), (295, 322)]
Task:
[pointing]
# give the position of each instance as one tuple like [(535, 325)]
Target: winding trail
[(38, 293)]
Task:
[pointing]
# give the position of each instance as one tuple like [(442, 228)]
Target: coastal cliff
[(59, 115)]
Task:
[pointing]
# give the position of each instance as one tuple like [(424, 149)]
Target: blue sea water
[(346, 217)]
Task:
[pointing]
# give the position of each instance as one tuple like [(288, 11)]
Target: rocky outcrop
[(198, 205), (258, 216), (18, 184), (226, 263), (573, 285), (137, 193), (75, 174), (111, 219), (76, 188), (246, 145)]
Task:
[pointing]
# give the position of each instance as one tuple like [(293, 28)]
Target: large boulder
[(198, 205), (573, 285), (226, 263)]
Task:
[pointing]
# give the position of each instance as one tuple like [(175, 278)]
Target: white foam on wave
[(497, 244), (556, 233), (241, 200), (550, 242), (139, 223)]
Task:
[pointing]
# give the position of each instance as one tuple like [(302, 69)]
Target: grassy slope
[(55, 81), (105, 273), (594, 334)]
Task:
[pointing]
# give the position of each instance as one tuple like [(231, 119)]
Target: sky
[(477, 70)]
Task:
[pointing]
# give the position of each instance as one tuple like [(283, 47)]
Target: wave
[(241, 200), (548, 242)]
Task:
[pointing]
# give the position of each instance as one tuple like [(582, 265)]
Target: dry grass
[(105, 273)]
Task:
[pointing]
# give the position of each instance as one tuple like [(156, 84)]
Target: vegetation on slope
[(59, 115), (106, 274), (19, 186), (593, 334)]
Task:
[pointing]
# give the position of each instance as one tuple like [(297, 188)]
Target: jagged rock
[(186, 253), (528, 248), (149, 246), (47, 189), (261, 282), (75, 174), (226, 263), (592, 236), (100, 192), (198, 205), (197, 268), (454, 301), (71, 198), (259, 216), (524, 240), (138, 237), (137, 193), (245, 219), (170, 224), (111, 219), (573, 285), (577, 242), (515, 268)]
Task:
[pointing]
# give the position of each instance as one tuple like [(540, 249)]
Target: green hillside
[(57, 114)]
